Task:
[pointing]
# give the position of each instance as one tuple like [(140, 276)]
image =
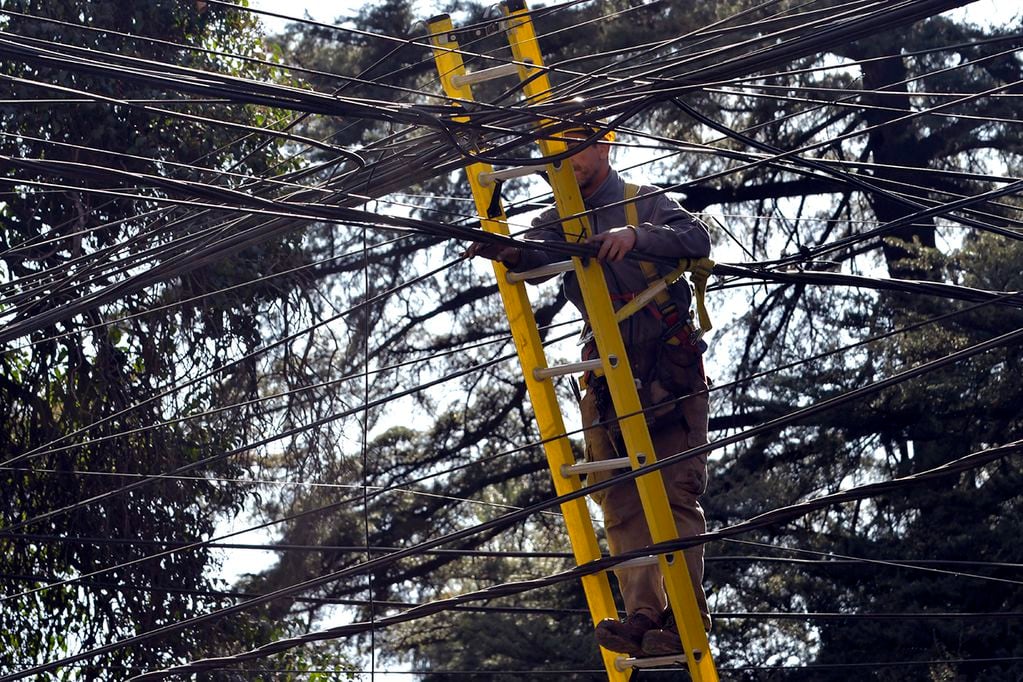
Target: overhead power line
[(776, 516), (436, 474), (504, 521), (689, 68)]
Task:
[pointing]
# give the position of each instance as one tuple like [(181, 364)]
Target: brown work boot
[(624, 636), (663, 641)]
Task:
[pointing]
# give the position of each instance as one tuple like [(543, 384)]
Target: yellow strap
[(699, 267), (640, 300), (631, 212), (649, 271)]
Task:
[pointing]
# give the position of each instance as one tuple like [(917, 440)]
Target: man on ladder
[(666, 356)]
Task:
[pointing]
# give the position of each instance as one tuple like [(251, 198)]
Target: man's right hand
[(509, 255)]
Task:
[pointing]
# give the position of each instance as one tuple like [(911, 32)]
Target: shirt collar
[(610, 191)]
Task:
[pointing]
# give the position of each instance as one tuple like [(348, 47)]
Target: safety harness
[(655, 298), (678, 330)]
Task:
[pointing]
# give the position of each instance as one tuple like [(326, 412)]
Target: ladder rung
[(541, 373), (622, 664), (544, 271), (490, 177), (569, 470), (638, 562), (484, 75)]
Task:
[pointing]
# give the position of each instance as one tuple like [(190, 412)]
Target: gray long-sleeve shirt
[(665, 229)]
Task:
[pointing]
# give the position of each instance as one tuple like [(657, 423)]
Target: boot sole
[(661, 643), (618, 645)]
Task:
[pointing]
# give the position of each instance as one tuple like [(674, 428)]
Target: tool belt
[(663, 373)]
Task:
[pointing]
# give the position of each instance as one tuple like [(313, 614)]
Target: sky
[(981, 11)]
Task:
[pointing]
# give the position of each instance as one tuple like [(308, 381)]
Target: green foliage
[(908, 429), (473, 430), (904, 430), (111, 379)]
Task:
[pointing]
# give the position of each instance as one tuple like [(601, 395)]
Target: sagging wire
[(743, 435), (79, 505), (206, 375), (783, 514)]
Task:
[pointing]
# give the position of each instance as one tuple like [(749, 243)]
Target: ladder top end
[(439, 17)]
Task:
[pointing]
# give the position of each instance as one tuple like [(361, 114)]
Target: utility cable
[(764, 520), (721, 387), (773, 517), (205, 375)]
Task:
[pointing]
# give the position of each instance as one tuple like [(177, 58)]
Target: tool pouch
[(663, 373)]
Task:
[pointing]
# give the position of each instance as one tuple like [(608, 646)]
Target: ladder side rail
[(526, 336)]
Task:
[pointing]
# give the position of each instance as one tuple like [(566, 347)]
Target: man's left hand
[(614, 243)]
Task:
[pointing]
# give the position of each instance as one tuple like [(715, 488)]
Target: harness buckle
[(683, 331), (674, 330)]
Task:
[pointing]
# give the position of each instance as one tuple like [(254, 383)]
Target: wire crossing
[(79, 276)]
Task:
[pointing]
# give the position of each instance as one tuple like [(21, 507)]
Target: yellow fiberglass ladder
[(527, 65)]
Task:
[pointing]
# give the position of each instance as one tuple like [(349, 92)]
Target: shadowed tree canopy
[(826, 159), (848, 109), (113, 377)]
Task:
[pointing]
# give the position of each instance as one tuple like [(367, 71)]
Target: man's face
[(590, 164)]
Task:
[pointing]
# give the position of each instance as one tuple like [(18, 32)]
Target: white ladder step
[(639, 562), (489, 178), (483, 75), (543, 271), (541, 373), (569, 470), (622, 664)]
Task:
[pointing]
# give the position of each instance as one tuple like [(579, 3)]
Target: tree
[(466, 445), (902, 431), (84, 401)]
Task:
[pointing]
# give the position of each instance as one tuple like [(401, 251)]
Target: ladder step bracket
[(484, 75), (544, 271), (645, 561), (488, 178), (569, 470), (541, 373), (623, 664)]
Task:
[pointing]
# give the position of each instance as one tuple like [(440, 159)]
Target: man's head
[(590, 163)]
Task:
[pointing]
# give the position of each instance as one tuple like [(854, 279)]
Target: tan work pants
[(643, 587)]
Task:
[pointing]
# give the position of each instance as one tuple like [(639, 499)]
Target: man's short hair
[(588, 130)]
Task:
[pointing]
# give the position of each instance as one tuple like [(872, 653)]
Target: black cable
[(105, 31), (720, 387), (764, 520), (825, 560), (770, 518), (852, 178), (209, 460)]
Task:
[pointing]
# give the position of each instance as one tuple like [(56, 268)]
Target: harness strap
[(657, 286)]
